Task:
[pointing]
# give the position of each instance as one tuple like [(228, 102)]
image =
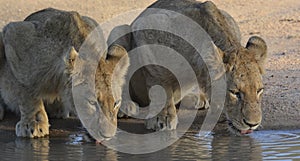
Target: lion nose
[(250, 124)]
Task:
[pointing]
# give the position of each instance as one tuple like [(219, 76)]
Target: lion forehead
[(246, 75)]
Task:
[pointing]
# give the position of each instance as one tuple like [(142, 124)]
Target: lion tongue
[(246, 131), (98, 142)]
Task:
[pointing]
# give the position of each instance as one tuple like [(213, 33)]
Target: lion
[(243, 66), (39, 58)]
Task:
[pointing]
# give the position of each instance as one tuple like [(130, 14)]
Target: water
[(261, 145)]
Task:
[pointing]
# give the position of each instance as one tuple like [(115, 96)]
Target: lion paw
[(160, 123), (32, 129), (37, 127), (203, 102)]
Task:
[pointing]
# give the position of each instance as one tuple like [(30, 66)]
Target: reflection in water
[(25, 149), (235, 148), (262, 145)]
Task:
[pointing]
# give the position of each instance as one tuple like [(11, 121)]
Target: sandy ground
[(278, 22)]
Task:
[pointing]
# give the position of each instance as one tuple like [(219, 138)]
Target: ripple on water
[(261, 145), (279, 145)]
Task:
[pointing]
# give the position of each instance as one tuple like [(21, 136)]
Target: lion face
[(245, 87), (109, 81), (109, 107)]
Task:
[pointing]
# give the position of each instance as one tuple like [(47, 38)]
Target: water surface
[(261, 145)]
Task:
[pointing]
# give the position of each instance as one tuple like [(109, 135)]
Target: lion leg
[(165, 120), (172, 119), (34, 119), (68, 106), (195, 101)]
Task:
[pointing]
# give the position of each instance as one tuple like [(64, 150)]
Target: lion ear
[(117, 57), (70, 57), (258, 46)]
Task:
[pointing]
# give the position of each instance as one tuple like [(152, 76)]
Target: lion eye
[(237, 94), (117, 104), (260, 91)]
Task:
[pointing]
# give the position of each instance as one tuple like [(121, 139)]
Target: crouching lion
[(243, 66), (38, 60)]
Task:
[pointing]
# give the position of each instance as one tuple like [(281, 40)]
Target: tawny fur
[(244, 65), (38, 58)]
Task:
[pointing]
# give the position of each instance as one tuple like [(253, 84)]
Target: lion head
[(245, 86), (109, 81)]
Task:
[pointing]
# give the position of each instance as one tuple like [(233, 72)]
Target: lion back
[(36, 48)]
